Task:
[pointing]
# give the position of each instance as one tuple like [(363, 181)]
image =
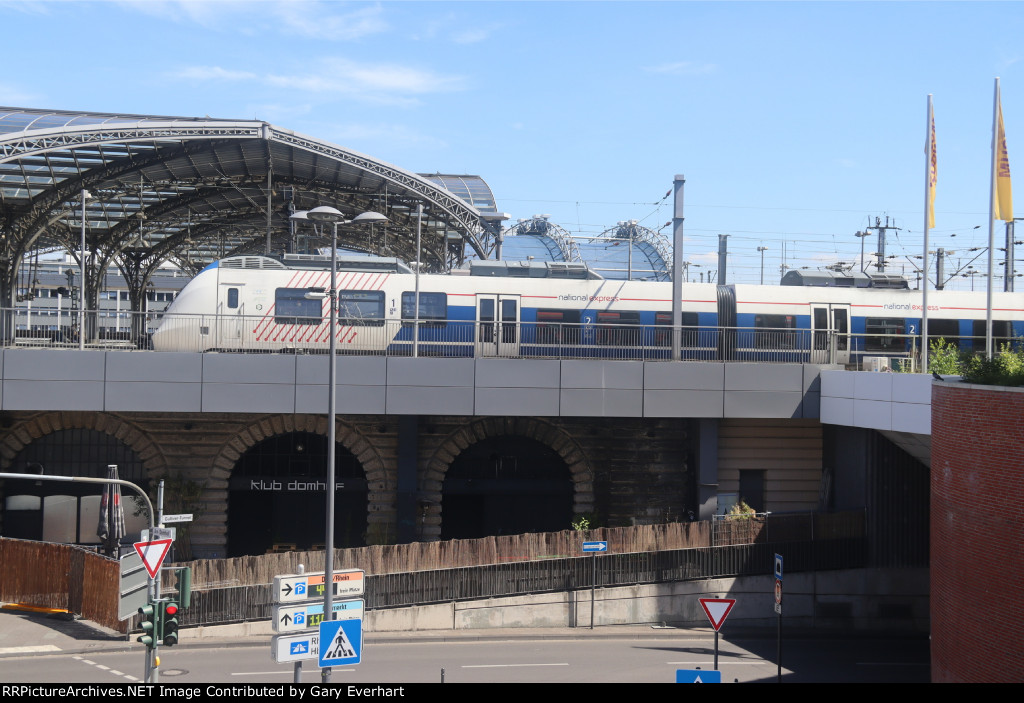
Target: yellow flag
[(932, 172), (1003, 207)]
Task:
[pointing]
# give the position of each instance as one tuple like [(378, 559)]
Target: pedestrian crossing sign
[(341, 642)]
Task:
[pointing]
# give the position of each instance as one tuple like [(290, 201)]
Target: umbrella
[(111, 526)]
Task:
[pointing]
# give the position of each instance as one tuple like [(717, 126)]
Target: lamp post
[(416, 305), (762, 250), (81, 292), (860, 236), (329, 215)]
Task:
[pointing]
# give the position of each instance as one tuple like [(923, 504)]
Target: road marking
[(30, 649), (115, 672), (707, 663), (496, 666)]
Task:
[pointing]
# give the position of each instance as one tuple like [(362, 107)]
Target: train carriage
[(561, 310)]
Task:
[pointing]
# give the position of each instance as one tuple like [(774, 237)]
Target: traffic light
[(170, 624), (150, 625)]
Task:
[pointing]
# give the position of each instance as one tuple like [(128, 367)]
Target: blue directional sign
[(698, 676), (342, 642), (293, 648), (595, 547)]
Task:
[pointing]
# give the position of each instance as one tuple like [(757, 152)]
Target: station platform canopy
[(150, 189), (626, 251)]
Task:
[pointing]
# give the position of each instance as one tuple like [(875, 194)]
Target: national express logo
[(590, 298), (909, 306)]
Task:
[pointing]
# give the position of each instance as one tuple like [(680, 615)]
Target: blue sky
[(792, 121)]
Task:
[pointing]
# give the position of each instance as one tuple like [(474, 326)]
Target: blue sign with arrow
[(698, 676), (595, 547)]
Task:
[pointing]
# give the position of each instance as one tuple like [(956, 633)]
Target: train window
[(772, 331), (433, 307), (361, 307), (878, 334), (618, 328), (292, 307), (558, 327), (1002, 334), (663, 337), (948, 330), (232, 298)]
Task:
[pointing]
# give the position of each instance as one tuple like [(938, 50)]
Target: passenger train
[(563, 310)]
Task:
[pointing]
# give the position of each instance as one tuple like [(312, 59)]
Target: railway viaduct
[(440, 448)]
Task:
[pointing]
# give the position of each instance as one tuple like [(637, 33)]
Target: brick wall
[(977, 533)]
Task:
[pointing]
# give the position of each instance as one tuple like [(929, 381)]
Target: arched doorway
[(66, 512), (506, 485), (277, 499)]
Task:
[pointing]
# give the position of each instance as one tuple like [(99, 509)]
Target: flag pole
[(992, 219), (929, 215)]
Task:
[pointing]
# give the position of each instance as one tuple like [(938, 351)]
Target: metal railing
[(240, 603), (262, 334)]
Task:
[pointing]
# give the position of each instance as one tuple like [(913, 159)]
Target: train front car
[(189, 315)]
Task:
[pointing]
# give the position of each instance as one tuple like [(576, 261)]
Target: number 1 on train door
[(497, 325)]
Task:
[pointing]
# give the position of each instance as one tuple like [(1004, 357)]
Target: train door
[(497, 325), (229, 316), (828, 320)]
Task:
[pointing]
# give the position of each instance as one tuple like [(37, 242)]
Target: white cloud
[(212, 73), (205, 13), (683, 68), (382, 83), (847, 163), (475, 35), (311, 19), (14, 96)]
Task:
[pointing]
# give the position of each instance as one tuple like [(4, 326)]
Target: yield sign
[(153, 554), (717, 610)]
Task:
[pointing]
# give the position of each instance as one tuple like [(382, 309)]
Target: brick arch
[(559, 440), (378, 491), (24, 433)]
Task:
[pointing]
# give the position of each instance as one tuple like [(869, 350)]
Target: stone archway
[(380, 492), (24, 433), (559, 440)]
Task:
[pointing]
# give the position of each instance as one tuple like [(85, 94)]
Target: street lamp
[(329, 215), (860, 236), (81, 293), (762, 250)]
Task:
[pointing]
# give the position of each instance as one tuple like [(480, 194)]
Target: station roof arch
[(190, 190)]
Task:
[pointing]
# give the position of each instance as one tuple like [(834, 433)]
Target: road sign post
[(717, 610), (301, 600), (593, 548)]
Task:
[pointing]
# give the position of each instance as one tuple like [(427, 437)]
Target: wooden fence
[(429, 556), (60, 576)]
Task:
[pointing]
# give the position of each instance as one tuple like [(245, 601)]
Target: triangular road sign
[(153, 554), (340, 648), (717, 610)]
